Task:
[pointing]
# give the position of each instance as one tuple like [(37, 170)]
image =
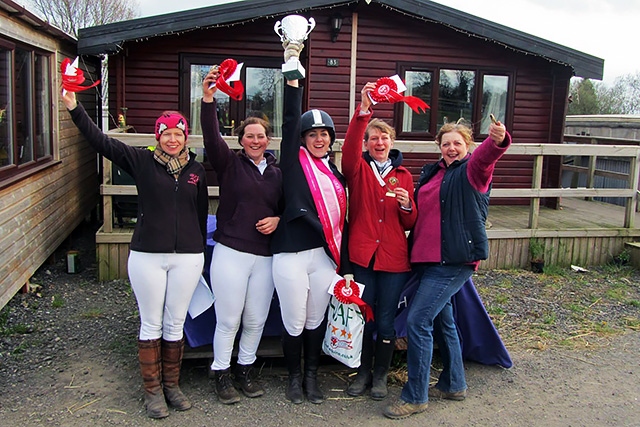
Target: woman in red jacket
[(381, 209)]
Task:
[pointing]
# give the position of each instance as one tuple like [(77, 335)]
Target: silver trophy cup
[(294, 29)]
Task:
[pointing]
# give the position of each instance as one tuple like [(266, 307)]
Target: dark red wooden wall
[(145, 75)]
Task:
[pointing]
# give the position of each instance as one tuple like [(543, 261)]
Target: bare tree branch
[(71, 15)]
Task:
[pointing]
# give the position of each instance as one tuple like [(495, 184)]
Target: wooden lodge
[(48, 174), (461, 65)]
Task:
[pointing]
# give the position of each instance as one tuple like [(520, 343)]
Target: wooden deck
[(581, 232), (574, 214)]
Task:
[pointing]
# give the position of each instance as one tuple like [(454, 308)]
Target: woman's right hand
[(69, 99), (208, 88), (365, 101)]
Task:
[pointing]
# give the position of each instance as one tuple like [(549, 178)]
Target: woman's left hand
[(402, 196), (497, 132), (268, 225)]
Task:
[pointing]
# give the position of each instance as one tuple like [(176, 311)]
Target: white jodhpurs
[(243, 286), (163, 285), (302, 280)]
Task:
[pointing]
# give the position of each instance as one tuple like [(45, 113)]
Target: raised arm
[(111, 148), (218, 152), (290, 144), (352, 149)]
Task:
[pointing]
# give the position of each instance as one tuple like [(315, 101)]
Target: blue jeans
[(382, 291), (430, 312)]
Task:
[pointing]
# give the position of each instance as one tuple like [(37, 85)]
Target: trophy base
[(293, 70)]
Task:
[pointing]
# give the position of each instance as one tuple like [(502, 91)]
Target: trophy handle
[(277, 27), (311, 26)]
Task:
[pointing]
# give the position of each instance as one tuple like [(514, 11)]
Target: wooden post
[(534, 209), (592, 170), (632, 202)]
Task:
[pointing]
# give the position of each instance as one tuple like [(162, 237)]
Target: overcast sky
[(607, 29)]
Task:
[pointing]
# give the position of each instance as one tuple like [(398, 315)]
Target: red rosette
[(72, 83), (386, 90), (227, 68), (344, 294), (351, 295)]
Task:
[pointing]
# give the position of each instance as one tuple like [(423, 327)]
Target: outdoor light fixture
[(336, 25)]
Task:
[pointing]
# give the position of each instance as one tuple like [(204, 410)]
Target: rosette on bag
[(73, 77), (350, 295), (386, 90), (227, 69)]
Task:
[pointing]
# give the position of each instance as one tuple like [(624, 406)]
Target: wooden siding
[(39, 212)]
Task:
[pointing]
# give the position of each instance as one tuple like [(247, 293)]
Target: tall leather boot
[(172, 352), (150, 358), (312, 339), (363, 378), (292, 349), (384, 354)]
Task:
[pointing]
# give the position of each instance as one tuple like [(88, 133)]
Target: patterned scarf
[(173, 164)]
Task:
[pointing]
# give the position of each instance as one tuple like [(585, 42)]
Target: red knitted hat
[(169, 120)]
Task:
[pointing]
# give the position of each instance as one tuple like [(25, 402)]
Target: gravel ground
[(68, 358)]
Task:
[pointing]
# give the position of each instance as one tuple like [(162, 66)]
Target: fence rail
[(574, 146)]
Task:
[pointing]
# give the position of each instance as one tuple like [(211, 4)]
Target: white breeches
[(163, 285), (302, 280), (243, 287)]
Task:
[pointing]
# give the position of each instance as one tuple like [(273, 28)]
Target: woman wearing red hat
[(167, 247)]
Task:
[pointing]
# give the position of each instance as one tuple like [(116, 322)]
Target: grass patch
[(57, 301), (123, 346), (561, 307), (93, 313)]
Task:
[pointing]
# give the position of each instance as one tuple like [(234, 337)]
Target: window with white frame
[(453, 94)]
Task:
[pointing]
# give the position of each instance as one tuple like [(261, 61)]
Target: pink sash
[(330, 199)]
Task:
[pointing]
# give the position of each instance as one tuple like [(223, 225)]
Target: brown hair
[(382, 126), (462, 128), (254, 121)]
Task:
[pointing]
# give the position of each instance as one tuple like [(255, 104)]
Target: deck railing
[(574, 146)]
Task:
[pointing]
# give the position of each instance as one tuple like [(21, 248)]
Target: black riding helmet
[(314, 119)]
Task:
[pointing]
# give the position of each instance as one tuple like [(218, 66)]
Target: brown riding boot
[(172, 352), (149, 355)]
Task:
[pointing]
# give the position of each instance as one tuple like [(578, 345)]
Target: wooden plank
[(130, 190)]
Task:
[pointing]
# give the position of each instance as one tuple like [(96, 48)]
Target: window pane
[(6, 145), (456, 96), (418, 84), (494, 100), (24, 137), (43, 103), (264, 96), (198, 73)]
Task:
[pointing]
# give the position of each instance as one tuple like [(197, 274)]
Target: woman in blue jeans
[(449, 240)]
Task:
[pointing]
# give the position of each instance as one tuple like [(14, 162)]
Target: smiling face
[(453, 147), (378, 144), (255, 142), (172, 141), (317, 141)]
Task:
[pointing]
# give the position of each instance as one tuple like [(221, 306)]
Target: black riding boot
[(312, 350), (384, 354), (363, 378), (292, 349)]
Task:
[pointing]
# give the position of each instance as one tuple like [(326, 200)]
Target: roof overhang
[(109, 38)]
